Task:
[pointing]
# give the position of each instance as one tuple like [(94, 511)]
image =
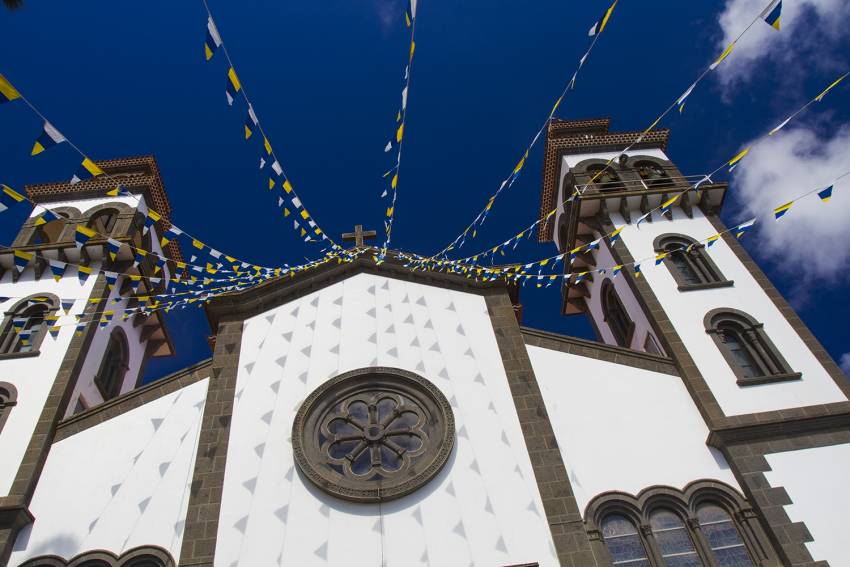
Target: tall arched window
[(144, 556), (688, 263), (8, 398), (723, 538), (708, 524), (623, 541), (114, 366), (615, 314), (746, 347), (653, 174), (25, 325), (672, 538), (103, 221), (49, 232), (604, 178)]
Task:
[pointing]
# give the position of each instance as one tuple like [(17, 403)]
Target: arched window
[(723, 537), (672, 538), (688, 263), (144, 556), (8, 398), (653, 174), (747, 349), (49, 232), (114, 366), (708, 524), (25, 325), (623, 541), (604, 178), (103, 221), (615, 314)]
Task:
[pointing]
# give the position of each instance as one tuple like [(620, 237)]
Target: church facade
[(363, 414)]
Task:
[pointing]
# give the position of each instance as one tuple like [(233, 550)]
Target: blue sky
[(130, 78)]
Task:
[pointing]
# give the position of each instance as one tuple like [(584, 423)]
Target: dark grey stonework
[(54, 408), (133, 399), (565, 521), (599, 351), (199, 537)]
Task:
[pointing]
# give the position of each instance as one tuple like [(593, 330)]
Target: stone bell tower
[(680, 284), (65, 343)]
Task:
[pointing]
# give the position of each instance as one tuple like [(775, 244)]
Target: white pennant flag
[(404, 98), (388, 147), (276, 167)]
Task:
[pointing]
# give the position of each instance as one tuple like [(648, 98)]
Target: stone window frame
[(684, 503), (591, 170), (109, 227), (663, 181), (8, 399), (769, 359), (695, 255), (145, 555), (606, 291), (439, 443), (16, 309), (109, 390)]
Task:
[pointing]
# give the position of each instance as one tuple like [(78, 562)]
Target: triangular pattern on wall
[(156, 422), (282, 513), (250, 484), (371, 289), (385, 285), (372, 313), (241, 524), (267, 417), (488, 506), (420, 367), (287, 336), (505, 439), (443, 374), (393, 352), (532, 507), (414, 342), (435, 347), (260, 450), (271, 318), (417, 515), (335, 349), (294, 312), (373, 338), (338, 301), (390, 329), (474, 466), (115, 488), (303, 377), (460, 330), (462, 432), (288, 475), (325, 510), (163, 468), (275, 386), (315, 301), (249, 367), (281, 361), (469, 352), (500, 545), (144, 504), (460, 530), (337, 322), (307, 350), (322, 551), (450, 488), (429, 324)]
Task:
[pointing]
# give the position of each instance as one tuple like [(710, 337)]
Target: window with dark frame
[(706, 525), (604, 178), (24, 328), (8, 398), (615, 314), (689, 264), (746, 348), (653, 174), (114, 366), (49, 232), (103, 221)]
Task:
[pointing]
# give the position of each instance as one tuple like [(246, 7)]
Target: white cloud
[(812, 241), (845, 363), (811, 33)]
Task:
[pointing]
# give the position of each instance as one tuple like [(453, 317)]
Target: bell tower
[(67, 342)]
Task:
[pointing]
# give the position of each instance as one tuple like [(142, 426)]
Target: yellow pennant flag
[(827, 89), (723, 56), (234, 80), (7, 91), (287, 186), (399, 133), (394, 182), (412, 48), (739, 157)]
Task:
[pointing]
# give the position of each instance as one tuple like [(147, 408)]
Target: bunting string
[(401, 119), (303, 223), (471, 229), (679, 102)]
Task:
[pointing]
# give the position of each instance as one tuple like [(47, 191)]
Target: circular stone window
[(373, 434)]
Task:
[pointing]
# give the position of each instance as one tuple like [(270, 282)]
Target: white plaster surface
[(623, 428), (816, 481), (120, 484), (33, 376), (686, 311), (482, 509)]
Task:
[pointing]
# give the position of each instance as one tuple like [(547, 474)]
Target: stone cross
[(358, 235)]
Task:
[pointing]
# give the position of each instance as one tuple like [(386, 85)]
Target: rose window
[(373, 434)]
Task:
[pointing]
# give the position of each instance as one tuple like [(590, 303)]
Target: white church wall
[(119, 484), (816, 481), (482, 509), (85, 386), (33, 376), (687, 310), (627, 297), (623, 428)]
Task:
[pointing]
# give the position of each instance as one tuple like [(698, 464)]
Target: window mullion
[(701, 544)]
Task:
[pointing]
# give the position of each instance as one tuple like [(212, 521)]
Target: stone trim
[(147, 556), (600, 351), (132, 400), (749, 464), (666, 333), (204, 508), (21, 305), (684, 504), (7, 401), (782, 305), (565, 522), (281, 290), (54, 408), (559, 143)]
